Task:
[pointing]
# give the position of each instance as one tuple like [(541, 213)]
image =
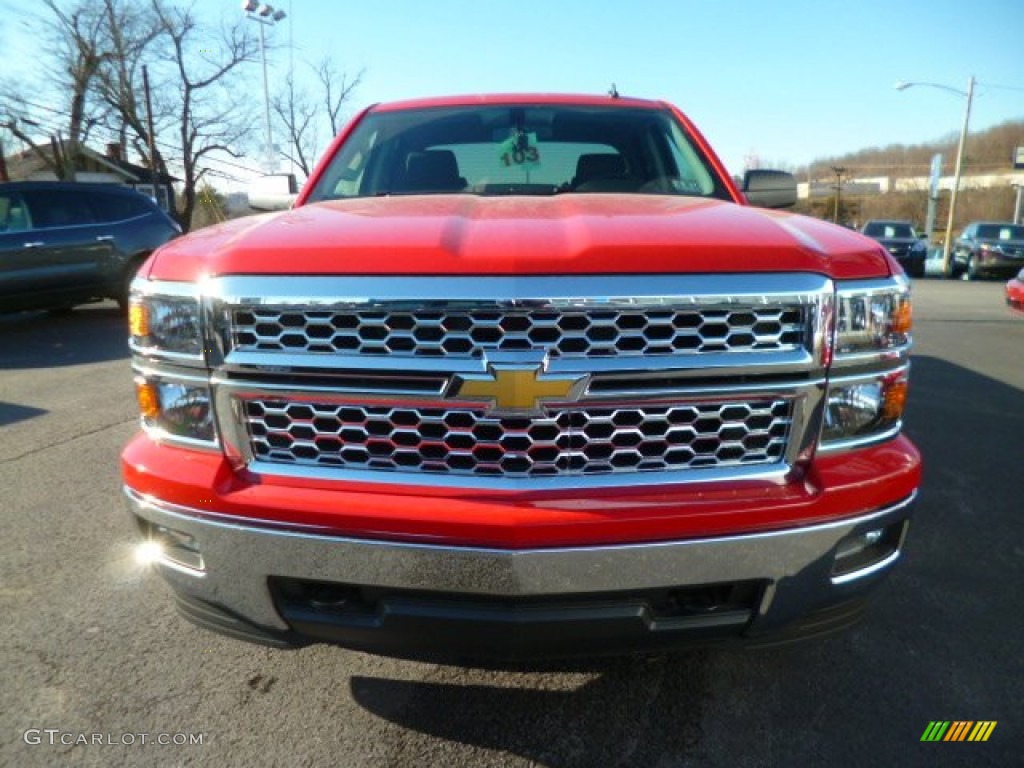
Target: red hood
[(567, 234)]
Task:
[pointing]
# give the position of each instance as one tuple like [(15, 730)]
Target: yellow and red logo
[(959, 730)]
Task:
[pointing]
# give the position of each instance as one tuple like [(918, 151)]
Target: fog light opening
[(169, 546), (148, 552), (865, 552)]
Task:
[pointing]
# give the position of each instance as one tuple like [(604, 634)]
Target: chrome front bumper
[(240, 559)]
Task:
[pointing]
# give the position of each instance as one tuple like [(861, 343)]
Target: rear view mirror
[(273, 193), (770, 189)]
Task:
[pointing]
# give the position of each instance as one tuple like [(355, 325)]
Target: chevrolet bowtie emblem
[(520, 389)]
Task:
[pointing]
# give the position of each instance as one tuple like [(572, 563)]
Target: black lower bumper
[(445, 629)]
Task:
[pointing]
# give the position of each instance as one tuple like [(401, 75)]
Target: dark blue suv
[(65, 243)]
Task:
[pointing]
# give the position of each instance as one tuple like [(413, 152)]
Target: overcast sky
[(788, 81)]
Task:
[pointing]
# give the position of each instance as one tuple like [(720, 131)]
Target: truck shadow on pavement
[(936, 625), (627, 713), (90, 334)]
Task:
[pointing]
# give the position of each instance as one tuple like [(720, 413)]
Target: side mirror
[(273, 193), (770, 189)]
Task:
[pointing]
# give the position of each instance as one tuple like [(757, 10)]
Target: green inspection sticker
[(520, 149)]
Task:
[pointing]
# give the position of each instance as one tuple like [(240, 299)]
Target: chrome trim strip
[(877, 374), (169, 288), (156, 354), (400, 395), (395, 394), (860, 442), (704, 365), (160, 435), (881, 565), (768, 389), (879, 357), (147, 369), (240, 556), (873, 285), (569, 291), (775, 473)]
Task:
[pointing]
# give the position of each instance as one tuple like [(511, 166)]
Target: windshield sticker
[(519, 149)]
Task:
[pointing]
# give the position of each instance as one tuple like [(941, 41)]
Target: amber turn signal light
[(894, 400), (138, 320), (148, 397), (902, 319)]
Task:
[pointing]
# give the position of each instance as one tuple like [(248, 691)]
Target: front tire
[(970, 270)]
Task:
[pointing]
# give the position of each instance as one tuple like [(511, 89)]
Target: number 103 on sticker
[(520, 150)]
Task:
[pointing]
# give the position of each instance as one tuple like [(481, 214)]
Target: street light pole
[(265, 15), (956, 178), (270, 159), (969, 98)]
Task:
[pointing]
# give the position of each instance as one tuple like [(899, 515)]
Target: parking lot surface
[(99, 670)]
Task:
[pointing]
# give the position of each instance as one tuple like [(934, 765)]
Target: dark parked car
[(988, 249), (900, 239), (64, 243)]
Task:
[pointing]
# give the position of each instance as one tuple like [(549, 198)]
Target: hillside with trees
[(986, 152)]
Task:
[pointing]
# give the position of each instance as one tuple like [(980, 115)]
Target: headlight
[(176, 408), (865, 408), (867, 388), (162, 325), (873, 317)]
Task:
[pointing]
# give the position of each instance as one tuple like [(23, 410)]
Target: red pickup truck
[(522, 377)]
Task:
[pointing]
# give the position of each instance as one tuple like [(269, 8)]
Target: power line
[(113, 132), (54, 128)]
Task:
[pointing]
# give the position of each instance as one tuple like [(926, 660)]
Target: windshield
[(888, 229), (1000, 232), (517, 150)]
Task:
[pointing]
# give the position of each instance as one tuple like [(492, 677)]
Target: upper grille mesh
[(560, 332)]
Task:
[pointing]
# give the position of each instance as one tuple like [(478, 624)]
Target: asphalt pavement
[(99, 670)]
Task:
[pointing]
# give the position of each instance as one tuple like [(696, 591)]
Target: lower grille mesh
[(563, 441)]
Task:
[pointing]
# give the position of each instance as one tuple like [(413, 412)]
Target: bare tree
[(296, 113), (337, 89), (302, 116), (209, 116), (132, 31), (77, 37)]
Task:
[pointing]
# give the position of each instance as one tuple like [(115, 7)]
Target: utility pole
[(3, 165), (838, 171), (152, 136)]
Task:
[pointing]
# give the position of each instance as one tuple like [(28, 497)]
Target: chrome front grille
[(579, 440), (562, 332), (450, 381)]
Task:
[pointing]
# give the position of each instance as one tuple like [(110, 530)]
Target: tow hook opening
[(867, 551)]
